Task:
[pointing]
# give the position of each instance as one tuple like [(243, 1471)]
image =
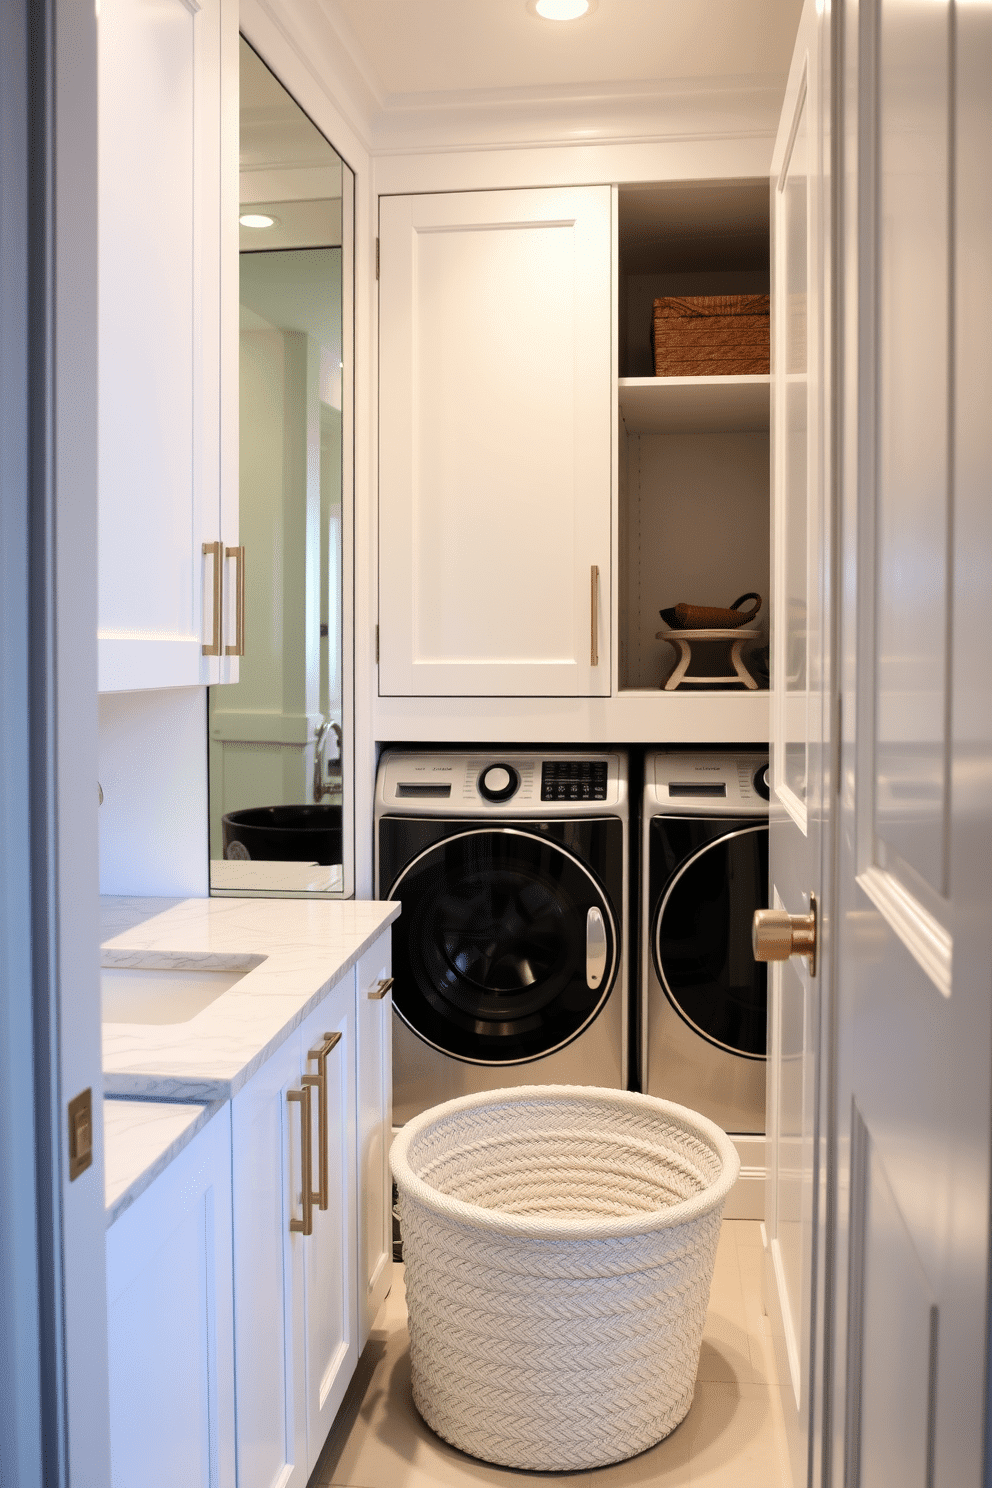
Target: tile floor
[(733, 1436)]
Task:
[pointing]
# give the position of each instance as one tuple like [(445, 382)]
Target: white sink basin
[(137, 994)]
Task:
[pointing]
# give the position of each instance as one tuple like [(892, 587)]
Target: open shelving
[(693, 451), (694, 405)]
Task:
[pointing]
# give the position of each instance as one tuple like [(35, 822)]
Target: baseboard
[(746, 1199)]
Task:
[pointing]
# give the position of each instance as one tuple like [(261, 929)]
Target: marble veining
[(140, 1140), (299, 950)]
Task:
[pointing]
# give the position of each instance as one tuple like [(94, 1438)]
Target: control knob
[(498, 782)]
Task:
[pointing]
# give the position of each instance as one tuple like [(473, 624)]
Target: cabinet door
[(167, 279), (494, 453), (375, 1116), (268, 1276), (169, 1315), (330, 1351)]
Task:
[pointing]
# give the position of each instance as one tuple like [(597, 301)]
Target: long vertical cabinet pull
[(215, 550), (238, 649), (304, 1226), (331, 1040), (594, 615)]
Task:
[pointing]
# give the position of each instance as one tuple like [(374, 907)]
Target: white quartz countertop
[(294, 950), (140, 1139)]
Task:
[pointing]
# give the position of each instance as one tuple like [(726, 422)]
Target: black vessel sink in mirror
[(284, 834)]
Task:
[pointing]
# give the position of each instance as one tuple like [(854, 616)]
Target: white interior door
[(915, 944), (800, 710), (494, 443)]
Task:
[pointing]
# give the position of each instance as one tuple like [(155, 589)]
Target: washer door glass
[(499, 952), (702, 941)]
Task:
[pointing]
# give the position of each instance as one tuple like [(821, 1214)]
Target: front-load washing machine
[(509, 955), (704, 862)]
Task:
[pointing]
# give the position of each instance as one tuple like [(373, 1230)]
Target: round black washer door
[(702, 941), (490, 950)]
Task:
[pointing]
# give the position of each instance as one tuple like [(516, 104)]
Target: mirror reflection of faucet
[(321, 786)]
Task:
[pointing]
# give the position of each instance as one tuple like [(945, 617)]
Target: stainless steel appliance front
[(704, 845), (509, 956)]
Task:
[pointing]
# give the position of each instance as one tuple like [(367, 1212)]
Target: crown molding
[(522, 118), (316, 40)]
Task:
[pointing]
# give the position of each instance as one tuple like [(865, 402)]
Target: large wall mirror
[(280, 793)]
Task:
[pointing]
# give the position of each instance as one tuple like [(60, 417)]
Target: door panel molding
[(904, 693), (926, 939), (891, 1303)]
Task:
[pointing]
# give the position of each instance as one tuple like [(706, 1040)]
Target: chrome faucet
[(319, 788)]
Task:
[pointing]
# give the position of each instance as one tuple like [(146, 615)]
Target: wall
[(153, 770)]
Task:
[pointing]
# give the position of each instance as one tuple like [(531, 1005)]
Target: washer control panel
[(707, 784), (573, 780), (507, 782)]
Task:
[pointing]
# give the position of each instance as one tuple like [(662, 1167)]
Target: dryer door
[(506, 949), (701, 937)]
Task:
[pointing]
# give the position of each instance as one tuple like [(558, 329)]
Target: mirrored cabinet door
[(279, 789)]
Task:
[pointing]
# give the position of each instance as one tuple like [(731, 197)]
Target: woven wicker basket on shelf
[(711, 335), (559, 1245)]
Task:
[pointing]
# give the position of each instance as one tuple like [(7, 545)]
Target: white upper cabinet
[(494, 453), (170, 570)]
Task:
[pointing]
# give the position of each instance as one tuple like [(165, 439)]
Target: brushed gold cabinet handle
[(378, 992), (331, 1040), (238, 554), (776, 935), (304, 1226), (594, 615), (215, 550)]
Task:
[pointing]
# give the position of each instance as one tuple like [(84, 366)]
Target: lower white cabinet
[(223, 1374), (296, 1326), (169, 1313), (375, 1120)]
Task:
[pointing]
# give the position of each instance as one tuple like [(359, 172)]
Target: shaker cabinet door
[(170, 1326), (494, 443), (375, 1118), (168, 264), (267, 1170), (330, 1343), (295, 1304)]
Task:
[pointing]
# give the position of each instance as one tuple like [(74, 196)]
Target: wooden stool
[(683, 639)]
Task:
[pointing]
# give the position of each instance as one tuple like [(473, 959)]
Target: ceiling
[(423, 48), (423, 75)]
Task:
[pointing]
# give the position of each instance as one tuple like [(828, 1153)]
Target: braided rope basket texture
[(559, 1244)]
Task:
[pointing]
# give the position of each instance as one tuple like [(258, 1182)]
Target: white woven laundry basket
[(559, 1244)]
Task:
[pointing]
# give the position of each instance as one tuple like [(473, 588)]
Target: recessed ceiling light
[(256, 219), (562, 10)]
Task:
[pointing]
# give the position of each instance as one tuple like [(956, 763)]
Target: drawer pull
[(238, 554), (331, 1040), (215, 550), (594, 615), (304, 1226), (378, 992)]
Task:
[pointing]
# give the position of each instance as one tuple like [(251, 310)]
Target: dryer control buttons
[(573, 780), (498, 782)]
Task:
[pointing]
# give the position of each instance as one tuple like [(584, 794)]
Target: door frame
[(54, 1422), (807, 1356)]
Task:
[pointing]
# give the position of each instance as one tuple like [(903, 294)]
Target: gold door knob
[(776, 935)]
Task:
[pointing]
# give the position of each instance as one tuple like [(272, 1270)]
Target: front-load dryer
[(509, 955), (704, 857)]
